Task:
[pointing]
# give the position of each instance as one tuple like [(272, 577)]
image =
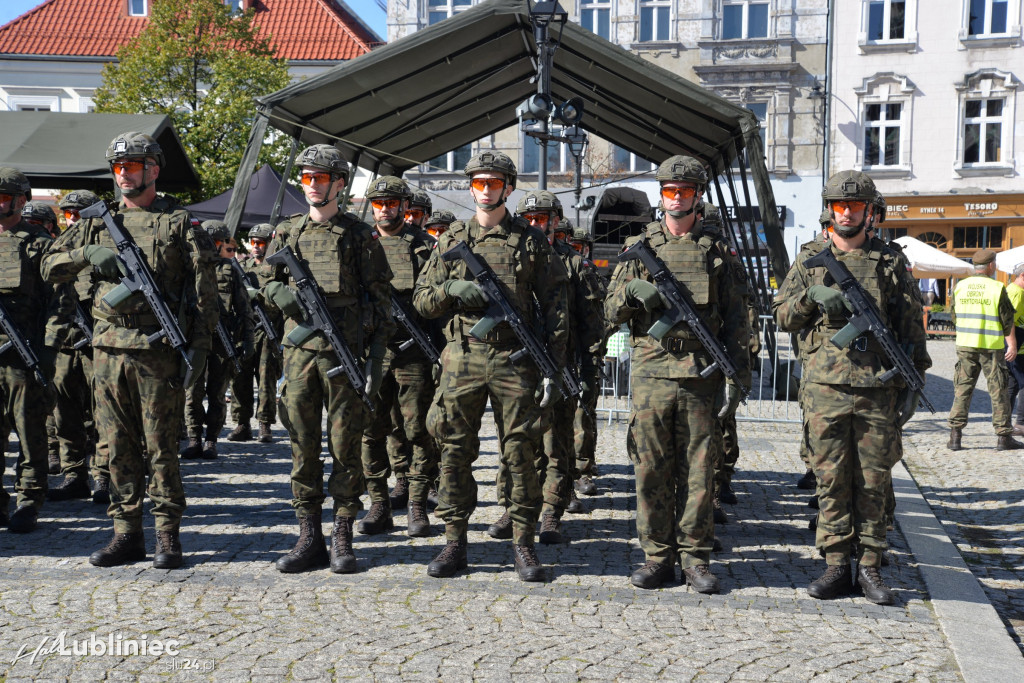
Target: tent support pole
[(366, 205), (243, 179), (347, 193), (275, 213)]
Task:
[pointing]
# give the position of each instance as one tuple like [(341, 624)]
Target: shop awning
[(1007, 260)]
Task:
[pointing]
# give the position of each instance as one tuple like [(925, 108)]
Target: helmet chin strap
[(501, 200), (136, 191), (850, 232), (679, 214)]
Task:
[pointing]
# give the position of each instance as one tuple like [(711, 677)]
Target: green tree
[(201, 65)]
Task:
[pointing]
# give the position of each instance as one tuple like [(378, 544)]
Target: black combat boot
[(53, 463), (193, 450), (574, 506), (5, 518), (1006, 442), (72, 487), (378, 519), (726, 494), (400, 494), (700, 577), (870, 581), (451, 559), (955, 436), (432, 497), (502, 529), (528, 566), (586, 486), (266, 435), (24, 520), (836, 581), (241, 432), (653, 574), (309, 551), (343, 558), (122, 549), (419, 524), (101, 492), (168, 550), (813, 503), (807, 482), (717, 512), (210, 450), (551, 528)]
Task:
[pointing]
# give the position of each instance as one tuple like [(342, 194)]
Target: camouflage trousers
[(305, 394), (401, 405), (213, 386), (473, 373), (969, 365), (851, 435), (727, 450), (24, 404), (585, 438), (265, 367), (139, 402), (74, 429), (670, 446)]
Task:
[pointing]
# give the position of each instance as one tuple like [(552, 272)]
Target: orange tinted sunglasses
[(71, 215), (127, 166), (540, 218), (318, 178), (413, 215), (678, 192), (853, 205), (391, 203), (481, 184)]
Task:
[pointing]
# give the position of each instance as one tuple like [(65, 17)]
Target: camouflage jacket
[(252, 279), (878, 270), (526, 267), (344, 256), (182, 259), (235, 309), (702, 262), (408, 252), (23, 292), (586, 306)]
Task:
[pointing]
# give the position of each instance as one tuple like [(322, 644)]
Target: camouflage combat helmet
[(217, 230), (38, 211), (325, 158), (134, 145), (713, 218), (388, 186), (853, 185), (442, 217), (582, 235), (880, 211), (13, 181), (78, 200), (566, 225), (498, 162), (682, 168), (825, 219), (539, 200), (261, 231), (422, 200)]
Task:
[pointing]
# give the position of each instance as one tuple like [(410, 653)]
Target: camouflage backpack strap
[(293, 235)]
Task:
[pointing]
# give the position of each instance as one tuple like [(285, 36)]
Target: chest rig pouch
[(399, 252), (329, 251), (13, 261)]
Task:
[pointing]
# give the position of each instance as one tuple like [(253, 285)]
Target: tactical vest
[(401, 260), (976, 302), (329, 250), (225, 289), (14, 262)]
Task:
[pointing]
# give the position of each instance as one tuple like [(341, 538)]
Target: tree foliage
[(201, 65)]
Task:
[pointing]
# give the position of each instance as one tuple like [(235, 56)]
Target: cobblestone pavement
[(977, 493), (236, 618)]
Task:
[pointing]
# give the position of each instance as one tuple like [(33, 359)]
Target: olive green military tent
[(66, 151)]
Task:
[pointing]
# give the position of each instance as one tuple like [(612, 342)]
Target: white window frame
[(566, 162), (908, 43), (33, 102), (237, 6), (450, 164), (882, 89), (631, 166), (1012, 35), (143, 13), (657, 5), (448, 7), (597, 6), (987, 84), (882, 125), (745, 21)]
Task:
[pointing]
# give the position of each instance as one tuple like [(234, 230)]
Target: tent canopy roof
[(66, 151), (259, 203), (462, 79), (927, 261)]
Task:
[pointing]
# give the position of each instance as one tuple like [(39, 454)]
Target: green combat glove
[(469, 293), (906, 405), (831, 300), (283, 296), (253, 293), (728, 401), (645, 294), (374, 376), (103, 259)]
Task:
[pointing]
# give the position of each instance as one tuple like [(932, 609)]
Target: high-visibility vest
[(976, 304)]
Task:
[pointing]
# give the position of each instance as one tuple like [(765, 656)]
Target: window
[(886, 19), (983, 131), (559, 158), (624, 161), (450, 162), (595, 16), (439, 10), (987, 17), (760, 110), (237, 6), (138, 8), (978, 237), (654, 20), (935, 239), (882, 124), (744, 19)]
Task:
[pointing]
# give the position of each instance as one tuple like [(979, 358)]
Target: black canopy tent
[(259, 206), (67, 151)]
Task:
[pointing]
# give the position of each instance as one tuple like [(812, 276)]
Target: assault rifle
[(84, 323), (318, 319), (21, 344), (866, 318), (229, 345), (417, 336), (500, 309), (682, 309), (261, 313), (139, 278)]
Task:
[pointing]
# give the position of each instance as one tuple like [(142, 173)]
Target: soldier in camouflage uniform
[(140, 393), (477, 369), (674, 408), (26, 297), (237, 317), (438, 222), (418, 211), (265, 365), (350, 267), (404, 398), (852, 417)]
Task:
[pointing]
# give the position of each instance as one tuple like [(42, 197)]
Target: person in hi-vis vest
[(983, 316)]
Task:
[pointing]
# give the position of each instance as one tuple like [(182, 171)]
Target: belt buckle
[(860, 343)]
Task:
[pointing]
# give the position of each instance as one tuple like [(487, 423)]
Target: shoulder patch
[(374, 235)]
